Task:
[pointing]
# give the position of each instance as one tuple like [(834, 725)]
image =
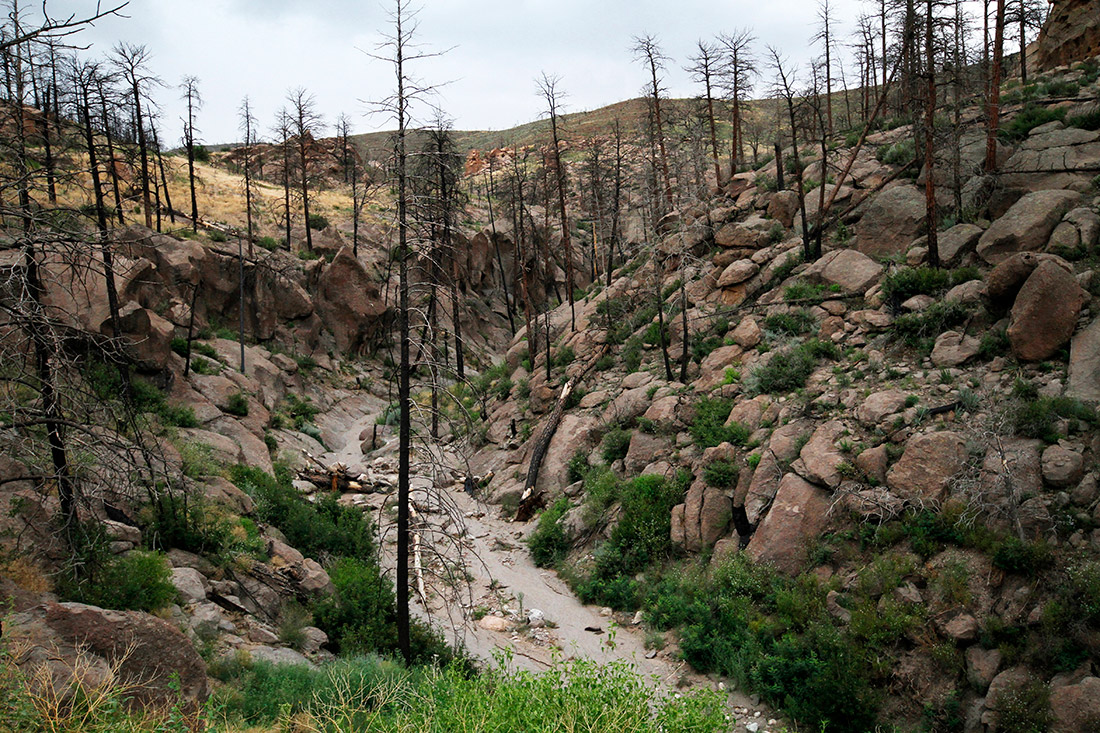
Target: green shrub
[(188, 524), (1016, 556), (319, 530), (217, 236), (1061, 88), (805, 291), (578, 466), (1030, 117), (179, 345), (793, 323), (1024, 708), (902, 152), (903, 283), (915, 329), (788, 370), (237, 404), (721, 474), (615, 444), (994, 343), (1034, 416), (199, 365), (136, 581), (318, 222), (708, 427), (269, 243), (548, 544), (201, 153), (604, 363), (1089, 120), (360, 615)]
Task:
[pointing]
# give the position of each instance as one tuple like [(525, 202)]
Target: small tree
[(305, 121)]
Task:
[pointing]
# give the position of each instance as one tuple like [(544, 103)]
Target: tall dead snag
[(190, 87), (704, 71), (929, 137), (131, 62), (248, 125), (531, 499), (784, 89), (647, 50), (304, 121), (993, 116), (736, 77), (282, 132), (824, 34), (548, 88)]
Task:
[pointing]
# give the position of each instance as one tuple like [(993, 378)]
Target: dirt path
[(505, 584)]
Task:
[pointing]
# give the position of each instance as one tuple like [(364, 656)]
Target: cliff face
[(1071, 33)]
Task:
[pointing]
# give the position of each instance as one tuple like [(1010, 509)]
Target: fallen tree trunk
[(531, 500)]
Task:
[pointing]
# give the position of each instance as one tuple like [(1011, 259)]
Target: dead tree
[(704, 70), (648, 51), (548, 88), (304, 123), (191, 96), (131, 61)]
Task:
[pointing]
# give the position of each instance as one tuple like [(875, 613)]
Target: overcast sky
[(263, 48)]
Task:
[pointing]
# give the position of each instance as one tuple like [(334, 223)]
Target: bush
[(1034, 416), (1086, 120), (916, 328), (615, 444), (360, 615), (794, 323), (1016, 556), (548, 543), (237, 404), (1030, 117), (216, 236), (708, 427), (201, 153), (578, 466), (182, 522), (318, 222), (721, 474), (318, 530), (136, 581), (902, 152), (1024, 708), (269, 243), (789, 370), (902, 284)]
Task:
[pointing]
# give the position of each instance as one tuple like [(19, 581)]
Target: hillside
[(808, 445)]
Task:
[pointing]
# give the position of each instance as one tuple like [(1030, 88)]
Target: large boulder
[(1076, 707), (927, 465), (1071, 33), (891, 221), (349, 302), (65, 643), (797, 518), (820, 456), (1045, 312), (147, 335), (853, 271), (1027, 226), (953, 348), (1084, 364), (783, 207), (1005, 280), (879, 405), (575, 433), (958, 242)]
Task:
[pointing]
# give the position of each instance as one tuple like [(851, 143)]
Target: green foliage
[(318, 222), (1024, 708), (269, 243), (216, 236), (360, 615), (200, 365), (721, 474), (1035, 416), (136, 581), (1089, 120), (365, 694), (548, 544), (632, 354), (708, 428), (902, 152), (615, 444), (805, 291), (1017, 556), (788, 370), (188, 524), (321, 529), (237, 404), (994, 343), (201, 153), (564, 357), (578, 466), (903, 283), (179, 345), (604, 363), (1030, 117), (915, 329), (792, 323)]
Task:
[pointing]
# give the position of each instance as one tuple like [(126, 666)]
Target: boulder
[(1027, 225), (741, 237), (190, 584), (1045, 312), (1062, 468), (1005, 280), (1071, 34), (783, 207), (873, 463), (981, 666), (853, 271), (147, 335), (349, 302), (960, 628), (891, 221), (1076, 707), (575, 433), (65, 643), (1084, 364), (927, 465), (879, 405), (644, 449), (747, 334), (737, 273), (820, 456), (277, 656), (797, 518), (958, 242), (953, 348)]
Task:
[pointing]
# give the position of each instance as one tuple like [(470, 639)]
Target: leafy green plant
[(793, 323), (237, 404), (318, 222), (615, 444), (1030, 117), (708, 428), (548, 544), (721, 474), (788, 370)]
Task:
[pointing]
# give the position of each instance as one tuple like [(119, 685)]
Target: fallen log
[(336, 477), (531, 500)]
